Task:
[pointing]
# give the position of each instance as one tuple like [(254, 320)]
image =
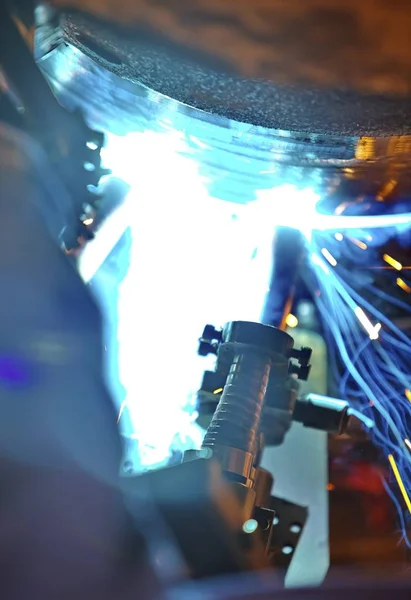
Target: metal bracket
[(288, 525)]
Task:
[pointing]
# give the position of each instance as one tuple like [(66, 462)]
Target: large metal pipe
[(337, 67)]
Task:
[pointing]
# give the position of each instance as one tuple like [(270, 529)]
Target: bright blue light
[(196, 259)]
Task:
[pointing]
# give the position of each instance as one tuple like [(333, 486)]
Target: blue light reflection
[(196, 259)]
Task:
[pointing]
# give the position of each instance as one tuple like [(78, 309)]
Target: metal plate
[(288, 525)]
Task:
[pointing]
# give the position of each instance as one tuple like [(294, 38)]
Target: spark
[(407, 443), (386, 190), (408, 394), (291, 320), (316, 260), (328, 256), (372, 330), (404, 286), (392, 262), (359, 244), (341, 208), (339, 237), (218, 391), (400, 482), (122, 407), (377, 329)]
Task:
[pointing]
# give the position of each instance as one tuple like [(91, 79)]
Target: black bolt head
[(305, 355), (304, 372), (211, 334), (205, 348)]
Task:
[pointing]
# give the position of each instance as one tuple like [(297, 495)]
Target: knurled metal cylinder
[(236, 421)]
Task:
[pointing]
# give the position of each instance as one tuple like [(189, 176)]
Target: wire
[(374, 354)]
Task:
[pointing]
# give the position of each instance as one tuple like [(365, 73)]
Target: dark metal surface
[(262, 337), (287, 528), (236, 421), (249, 355), (308, 67), (237, 160), (200, 514), (323, 413)]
